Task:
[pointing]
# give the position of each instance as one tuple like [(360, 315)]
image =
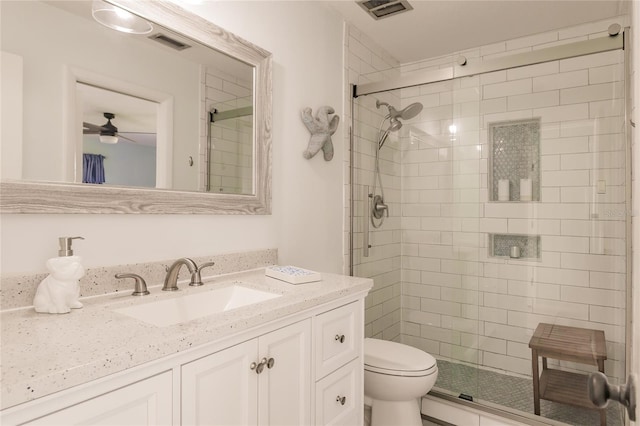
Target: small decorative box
[(292, 274)]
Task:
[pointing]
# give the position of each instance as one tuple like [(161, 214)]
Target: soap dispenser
[(59, 292)]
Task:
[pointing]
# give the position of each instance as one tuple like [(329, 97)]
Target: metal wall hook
[(601, 392)]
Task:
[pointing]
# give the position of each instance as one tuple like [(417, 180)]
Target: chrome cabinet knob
[(261, 365), (341, 399), (340, 338)]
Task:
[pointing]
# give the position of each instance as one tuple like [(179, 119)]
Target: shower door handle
[(601, 392), (365, 226)]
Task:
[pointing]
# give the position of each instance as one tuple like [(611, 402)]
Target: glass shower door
[(512, 218)]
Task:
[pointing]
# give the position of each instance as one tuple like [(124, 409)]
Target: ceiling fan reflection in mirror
[(108, 132)]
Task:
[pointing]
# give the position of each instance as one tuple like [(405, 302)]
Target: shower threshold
[(513, 393)]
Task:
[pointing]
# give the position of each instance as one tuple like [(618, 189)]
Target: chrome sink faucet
[(171, 280)]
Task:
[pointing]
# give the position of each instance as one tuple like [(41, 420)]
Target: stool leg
[(536, 382)]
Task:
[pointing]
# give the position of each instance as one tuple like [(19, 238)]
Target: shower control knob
[(340, 338), (379, 207)]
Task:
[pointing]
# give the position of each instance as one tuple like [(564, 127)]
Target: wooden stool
[(569, 344)]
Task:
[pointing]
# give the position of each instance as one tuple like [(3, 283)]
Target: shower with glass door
[(229, 150), (488, 205)]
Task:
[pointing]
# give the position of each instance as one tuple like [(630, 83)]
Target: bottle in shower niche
[(59, 292), (525, 189), (503, 190)]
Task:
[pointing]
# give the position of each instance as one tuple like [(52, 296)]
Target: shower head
[(394, 117), (406, 114), (394, 124)]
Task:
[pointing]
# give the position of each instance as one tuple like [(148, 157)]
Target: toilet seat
[(395, 359)]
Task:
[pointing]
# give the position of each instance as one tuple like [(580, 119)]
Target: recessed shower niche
[(528, 246), (515, 160)]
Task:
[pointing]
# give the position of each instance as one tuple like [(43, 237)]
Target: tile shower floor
[(515, 393)]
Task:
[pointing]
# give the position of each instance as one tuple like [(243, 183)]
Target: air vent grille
[(379, 9), (168, 41)]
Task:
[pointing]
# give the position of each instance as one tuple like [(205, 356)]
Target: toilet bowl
[(396, 376)]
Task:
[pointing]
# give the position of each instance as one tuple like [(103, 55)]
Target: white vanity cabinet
[(146, 402), (264, 381), (304, 368)]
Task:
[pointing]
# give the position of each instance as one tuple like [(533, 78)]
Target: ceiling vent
[(379, 9), (168, 41)]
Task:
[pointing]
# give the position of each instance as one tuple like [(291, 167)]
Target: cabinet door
[(221, 388), (285, 388), (147, 402)]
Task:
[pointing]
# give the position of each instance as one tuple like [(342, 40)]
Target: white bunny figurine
[(59, 292)]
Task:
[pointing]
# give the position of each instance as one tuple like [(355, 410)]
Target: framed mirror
[(174, 120)]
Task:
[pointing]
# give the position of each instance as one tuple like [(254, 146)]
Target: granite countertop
[(45, 353)]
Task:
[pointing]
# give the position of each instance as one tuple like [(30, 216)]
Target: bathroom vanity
[(291, 359)]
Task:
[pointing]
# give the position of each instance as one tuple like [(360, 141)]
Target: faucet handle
[(140, 284), (206, 265), (196, 279)]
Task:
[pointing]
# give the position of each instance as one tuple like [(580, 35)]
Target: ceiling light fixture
[(110, 139), (119, 19)]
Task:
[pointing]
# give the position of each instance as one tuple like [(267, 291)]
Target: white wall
[(125, 163), (306, 224)]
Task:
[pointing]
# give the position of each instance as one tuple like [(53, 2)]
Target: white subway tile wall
[(456, 301), (231, 161), (367, 62)]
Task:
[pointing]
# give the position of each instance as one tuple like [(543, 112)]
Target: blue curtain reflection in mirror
[(93, 168)]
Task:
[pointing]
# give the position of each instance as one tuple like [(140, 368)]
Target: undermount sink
[(193, 306)]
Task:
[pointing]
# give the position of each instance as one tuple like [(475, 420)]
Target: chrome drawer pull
[(341, 399), (340, 338), (270, 362)]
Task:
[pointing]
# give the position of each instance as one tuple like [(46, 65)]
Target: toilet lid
[(383, 356)]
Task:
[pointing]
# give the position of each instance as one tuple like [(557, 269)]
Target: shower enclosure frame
[(618, 39)]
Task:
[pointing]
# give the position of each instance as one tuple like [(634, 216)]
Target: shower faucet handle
[(379, 206)]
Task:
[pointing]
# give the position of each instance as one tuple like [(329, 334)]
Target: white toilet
[(396, 376)]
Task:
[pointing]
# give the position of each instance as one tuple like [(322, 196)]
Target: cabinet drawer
[(338, 337), (339, 396)]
